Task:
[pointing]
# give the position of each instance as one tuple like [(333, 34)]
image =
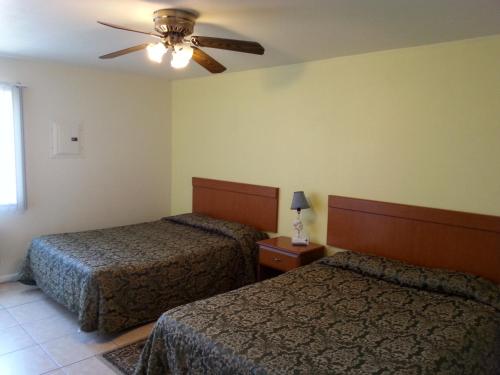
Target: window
[(12, 191)]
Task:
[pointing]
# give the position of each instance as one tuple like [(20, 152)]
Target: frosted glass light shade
[(156, 52), (181, 55)]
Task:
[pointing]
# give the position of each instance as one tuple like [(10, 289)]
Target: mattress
[(345, 314), (120, 277)]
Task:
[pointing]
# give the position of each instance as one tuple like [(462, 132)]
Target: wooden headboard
[(252, 205), (423, 236)]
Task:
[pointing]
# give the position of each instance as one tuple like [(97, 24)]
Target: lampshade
[(299, 201)]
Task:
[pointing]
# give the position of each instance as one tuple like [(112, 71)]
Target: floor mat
[(126, 357)]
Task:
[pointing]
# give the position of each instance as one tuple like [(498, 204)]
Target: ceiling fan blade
[(152, 33), (229, 44), (124, 51), (206, 61)]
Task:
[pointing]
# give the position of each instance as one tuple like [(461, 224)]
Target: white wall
[(124, 175)]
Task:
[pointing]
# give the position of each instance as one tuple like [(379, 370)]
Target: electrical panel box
[(66, 140)]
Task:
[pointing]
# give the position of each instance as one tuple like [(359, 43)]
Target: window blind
[(12, 177)]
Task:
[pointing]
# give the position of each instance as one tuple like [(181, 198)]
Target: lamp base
[(300, 241)]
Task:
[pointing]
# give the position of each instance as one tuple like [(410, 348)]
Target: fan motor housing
[(175, 21)]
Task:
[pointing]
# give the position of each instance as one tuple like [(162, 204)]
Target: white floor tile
[(51, 328), (91, 366), (14, 338), (27, 317), (76, 347), (15, 287), (33, 311), (19, 294), (7, 320), (95, 336), (30, 361), (57, 372), (133, 335)]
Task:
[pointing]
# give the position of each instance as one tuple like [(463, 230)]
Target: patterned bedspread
[(345, 314), (120, 277)]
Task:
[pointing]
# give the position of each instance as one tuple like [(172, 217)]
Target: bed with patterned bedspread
[(345, 314), (120, 277)]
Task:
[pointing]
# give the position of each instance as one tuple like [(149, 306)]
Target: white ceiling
[(291, 31)]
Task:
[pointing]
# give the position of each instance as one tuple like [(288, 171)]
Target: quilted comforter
[(120, 277), (345, 314)]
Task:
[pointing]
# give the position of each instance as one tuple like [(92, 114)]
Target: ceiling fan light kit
[(174, 27)]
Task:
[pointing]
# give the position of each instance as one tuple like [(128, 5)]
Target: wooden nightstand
[(277, 255)]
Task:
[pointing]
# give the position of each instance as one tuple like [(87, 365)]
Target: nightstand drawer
[(277, 260)]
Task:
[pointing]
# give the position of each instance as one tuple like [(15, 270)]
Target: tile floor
[(38, 336)]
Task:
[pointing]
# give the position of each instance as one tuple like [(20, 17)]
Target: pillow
[(245, 235), (431, 279), (237, 231)]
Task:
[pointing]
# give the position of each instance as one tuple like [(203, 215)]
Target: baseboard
[(7, 278)]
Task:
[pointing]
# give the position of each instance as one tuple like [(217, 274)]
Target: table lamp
[(299, 202)]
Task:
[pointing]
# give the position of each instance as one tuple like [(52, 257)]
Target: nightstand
[(278, 255)]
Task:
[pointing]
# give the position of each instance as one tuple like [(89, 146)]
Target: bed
[(116, 278), (364, 311)]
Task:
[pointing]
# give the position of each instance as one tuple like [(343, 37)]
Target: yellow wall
[(418, 125)]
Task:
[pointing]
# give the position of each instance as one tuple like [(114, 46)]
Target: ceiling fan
[(174, 28)]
